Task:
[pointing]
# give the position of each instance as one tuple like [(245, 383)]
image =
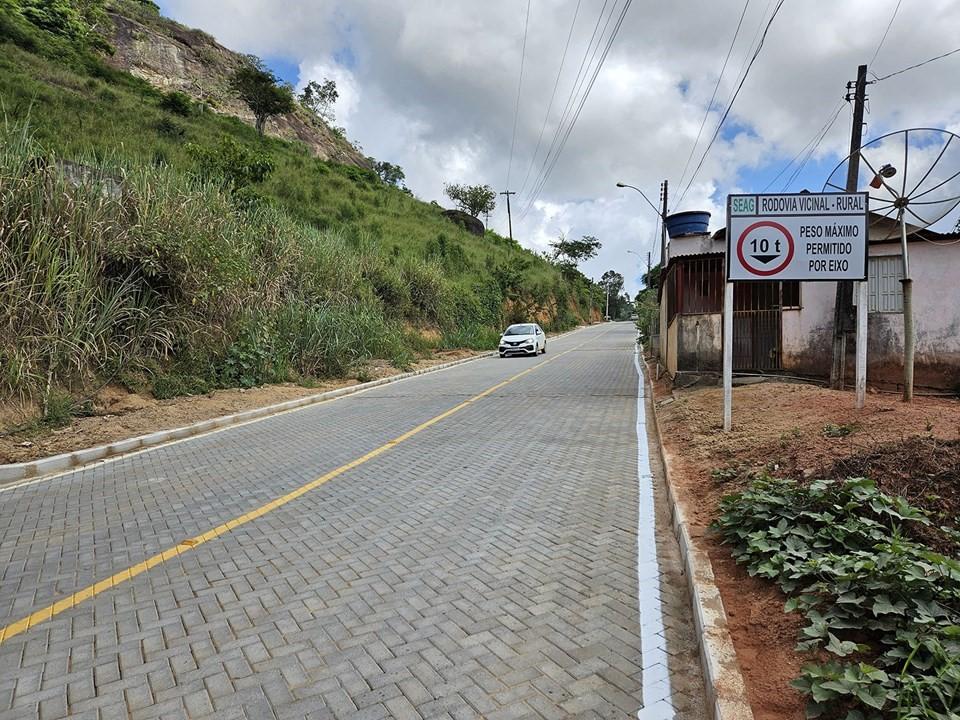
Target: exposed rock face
[(172, 57), (465, 220)]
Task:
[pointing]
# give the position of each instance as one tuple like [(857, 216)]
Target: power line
[(920, 64), (574, 90), (516, 112), (821, 133), (817, 138), (583, 99), (553, 95), (733, 99), (713, 97), (810, 153), (885, 33)]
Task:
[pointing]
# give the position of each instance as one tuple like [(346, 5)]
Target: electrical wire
[(553, 95), (583, 99), (733, 99), (804, 149), (886, 32), (913, 67), (713, 97), (516, 111), (806, 159), (575, 88)]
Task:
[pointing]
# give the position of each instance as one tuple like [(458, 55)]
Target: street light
[(643, 195), (661, 213)]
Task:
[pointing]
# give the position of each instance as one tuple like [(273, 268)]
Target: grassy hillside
[(147, 239)]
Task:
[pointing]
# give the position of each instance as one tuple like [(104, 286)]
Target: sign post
[(809, 237), (727, 356)]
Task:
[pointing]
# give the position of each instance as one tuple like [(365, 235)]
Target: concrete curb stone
[(32, 469), (726, 690)]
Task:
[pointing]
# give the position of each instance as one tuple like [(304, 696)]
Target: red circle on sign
[(771, 271)]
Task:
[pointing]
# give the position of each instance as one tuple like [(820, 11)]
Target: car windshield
[(519, 330)]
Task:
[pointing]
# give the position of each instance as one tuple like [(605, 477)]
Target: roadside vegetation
[(148, 241), (882, 606)]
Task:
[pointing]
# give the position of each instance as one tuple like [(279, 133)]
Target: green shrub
[(883, 604), (174, 384), (169, 128), (231, 163), (58, 409), (177, 103), (474, 337)]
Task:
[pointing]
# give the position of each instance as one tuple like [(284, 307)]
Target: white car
[(523, 339)]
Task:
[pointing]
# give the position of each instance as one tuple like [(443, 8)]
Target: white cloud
[(432, 86)]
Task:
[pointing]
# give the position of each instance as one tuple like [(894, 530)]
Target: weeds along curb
[(78, 458), (726, 690)]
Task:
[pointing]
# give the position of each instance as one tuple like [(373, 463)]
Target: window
[(694, 285), (883, 285), (790, 294)]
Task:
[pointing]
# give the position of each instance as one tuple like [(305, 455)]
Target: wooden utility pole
[(508, 193), (843, 305), (663, 228)]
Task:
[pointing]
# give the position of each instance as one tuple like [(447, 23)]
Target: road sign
[(802, 236)]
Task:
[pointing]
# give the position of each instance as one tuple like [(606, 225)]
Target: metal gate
[(757, 326)]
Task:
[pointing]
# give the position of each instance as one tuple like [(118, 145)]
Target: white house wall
[(807, 333)]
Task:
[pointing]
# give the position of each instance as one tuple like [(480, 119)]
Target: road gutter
[(46, 468), (726, 690)]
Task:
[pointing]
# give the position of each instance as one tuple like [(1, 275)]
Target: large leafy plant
[(883, 609)]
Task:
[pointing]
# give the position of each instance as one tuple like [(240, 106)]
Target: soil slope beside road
[(801, 431)]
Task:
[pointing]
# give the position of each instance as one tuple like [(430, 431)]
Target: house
[(787, 327)]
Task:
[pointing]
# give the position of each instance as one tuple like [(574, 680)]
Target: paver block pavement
[(486, 567)]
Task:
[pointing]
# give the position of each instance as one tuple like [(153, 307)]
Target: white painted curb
[(726, 691), (14, 472)]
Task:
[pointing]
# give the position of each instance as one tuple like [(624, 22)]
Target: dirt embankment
[(119, 414), (801, 431)]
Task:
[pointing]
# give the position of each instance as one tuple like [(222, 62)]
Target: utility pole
[(508, 193), (648, 268), (843, 305), (663, 228)]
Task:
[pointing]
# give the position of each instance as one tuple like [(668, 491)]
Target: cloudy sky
[(433, 87)]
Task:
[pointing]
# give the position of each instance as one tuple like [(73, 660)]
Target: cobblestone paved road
[(485, 566)]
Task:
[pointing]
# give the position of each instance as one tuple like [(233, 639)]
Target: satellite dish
[(914, 176), (914, 173)]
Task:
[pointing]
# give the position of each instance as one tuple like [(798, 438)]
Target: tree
[(388, 172), (575, 252), (262, 91), (473, 199), (319, 99), (612, 283), (73, 19), (651, 279)]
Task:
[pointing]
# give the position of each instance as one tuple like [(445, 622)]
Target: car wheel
[(502, 355), (544, 351)]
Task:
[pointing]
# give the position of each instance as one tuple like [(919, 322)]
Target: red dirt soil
[(780, 427)]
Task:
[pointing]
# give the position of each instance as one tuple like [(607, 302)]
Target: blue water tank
[(689, 222)]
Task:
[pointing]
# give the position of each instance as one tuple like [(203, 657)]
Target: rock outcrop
[(172, 57), (465, 220)]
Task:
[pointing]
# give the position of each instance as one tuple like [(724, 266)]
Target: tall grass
[(101, 270), (116, 257), (64, 316)]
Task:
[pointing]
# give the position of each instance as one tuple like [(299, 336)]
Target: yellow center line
[(48, 612)]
